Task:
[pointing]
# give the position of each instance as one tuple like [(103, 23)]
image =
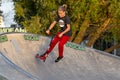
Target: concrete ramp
[(9, 71), (76, 65)]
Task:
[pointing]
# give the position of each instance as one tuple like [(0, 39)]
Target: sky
[(7, 7)]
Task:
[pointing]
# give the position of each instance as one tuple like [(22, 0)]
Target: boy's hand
[(48, 32), (60, 35)]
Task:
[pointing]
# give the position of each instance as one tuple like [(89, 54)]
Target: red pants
[(61, 41)]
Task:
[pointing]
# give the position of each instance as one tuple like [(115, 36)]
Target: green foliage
[(114, 11), (36, 15)]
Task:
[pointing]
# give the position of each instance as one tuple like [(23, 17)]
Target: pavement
[(18, 62)]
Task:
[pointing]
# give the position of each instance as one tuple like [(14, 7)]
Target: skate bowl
[(9, 72), (2, 78), (18, 62)]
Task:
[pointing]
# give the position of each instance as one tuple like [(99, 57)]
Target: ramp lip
[(106, 54), (16, 33), (18, 68), (24, 33)]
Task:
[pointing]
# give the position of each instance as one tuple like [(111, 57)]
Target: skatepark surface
[(18, 62)]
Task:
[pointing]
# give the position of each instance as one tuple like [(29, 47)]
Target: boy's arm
[(52, 25), (67, 29)]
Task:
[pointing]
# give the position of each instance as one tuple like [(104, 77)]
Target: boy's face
[(61, 13)]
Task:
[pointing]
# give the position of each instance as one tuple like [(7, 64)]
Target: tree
[(92, 18), (109, 9), (86, 20)]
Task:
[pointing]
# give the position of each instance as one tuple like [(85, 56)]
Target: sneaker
[(37, 56), (43, 57), (58, 59)]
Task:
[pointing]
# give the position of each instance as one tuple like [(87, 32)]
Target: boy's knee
[(61, 44)]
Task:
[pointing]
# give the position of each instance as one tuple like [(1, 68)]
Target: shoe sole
[(38, 56)]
